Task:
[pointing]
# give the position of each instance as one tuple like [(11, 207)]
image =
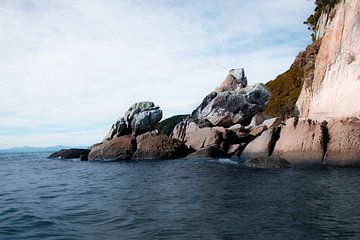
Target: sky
[(70, 68)]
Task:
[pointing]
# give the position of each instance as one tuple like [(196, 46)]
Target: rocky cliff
[(328, 130), (335, 86)]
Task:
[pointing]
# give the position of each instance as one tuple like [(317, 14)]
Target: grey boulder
[(145, 121)]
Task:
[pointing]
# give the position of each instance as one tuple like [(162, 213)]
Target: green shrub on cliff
[(285, 91), (166, 126)]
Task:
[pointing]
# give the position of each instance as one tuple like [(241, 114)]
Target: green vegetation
[(166, 126), (285, 91), (321, 6)]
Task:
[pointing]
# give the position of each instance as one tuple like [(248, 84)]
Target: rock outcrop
[(71, 153), (220, 125), (134, 137)]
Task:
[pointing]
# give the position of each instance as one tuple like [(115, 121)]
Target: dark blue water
[(42, 198)]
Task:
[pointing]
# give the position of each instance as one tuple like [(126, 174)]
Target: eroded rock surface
[(344, 143), (301, 141)]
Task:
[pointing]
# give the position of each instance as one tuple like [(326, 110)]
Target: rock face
[(301, 142), (336, 79), (266, 162), (140, 118), (159, 147), (344, 143), (71, 153)]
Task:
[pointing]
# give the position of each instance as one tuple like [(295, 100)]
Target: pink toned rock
[(301, 142), (344, 144), (333, 89)]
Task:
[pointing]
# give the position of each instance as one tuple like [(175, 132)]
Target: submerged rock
[(267, 162), (71, 153)]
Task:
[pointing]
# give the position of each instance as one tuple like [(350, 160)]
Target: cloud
[(78, 65)]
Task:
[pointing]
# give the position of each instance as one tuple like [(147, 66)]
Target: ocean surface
[(44, 198)]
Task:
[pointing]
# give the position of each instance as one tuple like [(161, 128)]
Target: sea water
[(44, 198)]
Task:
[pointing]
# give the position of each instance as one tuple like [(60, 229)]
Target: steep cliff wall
[(335, 88)]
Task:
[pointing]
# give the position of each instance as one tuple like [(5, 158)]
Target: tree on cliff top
[(321, 6)]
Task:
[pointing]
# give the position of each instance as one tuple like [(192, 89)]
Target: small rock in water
[(267, 162)]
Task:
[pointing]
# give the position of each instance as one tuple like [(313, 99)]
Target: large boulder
[(196, 137), (71, 153), (301, 142), (263, 145), (231, 107), (145, 121), (141, 117), (161, 146), (118, 148), (343, 143), (137, 108)]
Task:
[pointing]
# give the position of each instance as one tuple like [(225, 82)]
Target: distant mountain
[(26, 149)]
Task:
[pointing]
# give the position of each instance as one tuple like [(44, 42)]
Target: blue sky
[(68, 69)]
